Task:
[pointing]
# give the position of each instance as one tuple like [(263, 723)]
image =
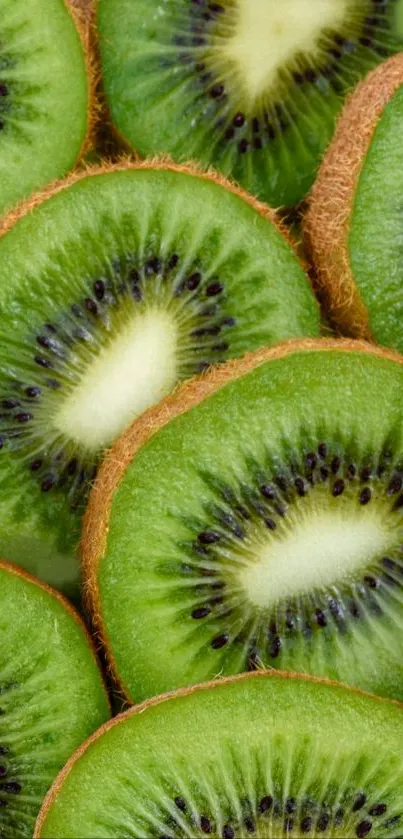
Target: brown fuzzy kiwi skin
[(17, 571), (121, 454), (331, 201), (82, 13), (127, 163), (173, 695)]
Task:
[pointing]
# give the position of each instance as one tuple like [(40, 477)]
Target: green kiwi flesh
[(262, 755), (376, 227), (117, 286), (250, 86), (44, 96), (51, 695), (263, 527)]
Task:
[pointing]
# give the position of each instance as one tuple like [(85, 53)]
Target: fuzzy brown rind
[(172, 695), (83, 14), (186, 396), (157, 163), (331, 202), (17, 571)]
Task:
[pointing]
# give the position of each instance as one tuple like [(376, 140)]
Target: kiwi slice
[(120, 283), (44, 94), (264, 755), (51, 695), (354, 225), (255, 519), (251, 86)]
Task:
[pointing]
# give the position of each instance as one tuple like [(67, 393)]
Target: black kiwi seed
[(323, 822), (205, 824), (228, 832), (265, 804), (365, 496), (395, 485), (321, 619), (202, 612), (338, 488), (220, 641), (359, 802), (208, 537), (338, 816), (306, 824), (249, 824), (363, 829), (180, 803), (377, 810)]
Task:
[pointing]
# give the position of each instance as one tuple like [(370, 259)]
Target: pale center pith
[(268, 35), (131, 373), (321, 548)]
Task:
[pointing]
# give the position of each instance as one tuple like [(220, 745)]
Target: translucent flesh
[(213, 749), (245, 435), (376, 235), (52, 696), (159, 79), (51, 259), (42, 64)]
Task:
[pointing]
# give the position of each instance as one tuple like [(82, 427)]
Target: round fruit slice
[(118, 284), (264, 755), (355, 220), (252, 86), (51, 695), (44, 95), (256, 519)]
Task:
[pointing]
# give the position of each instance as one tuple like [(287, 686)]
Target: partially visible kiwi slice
[(44, 95), (255, 519), (113, 287), (251, 86), (354, 225), (264, 755), (51, 695)]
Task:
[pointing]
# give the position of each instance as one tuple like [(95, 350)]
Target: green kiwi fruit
[(250, 86), (267, 755), (51, 695), (45, 95), (119, 283), (354, 224), (255, 519)]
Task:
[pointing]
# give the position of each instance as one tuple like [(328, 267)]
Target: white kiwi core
[(320, 548), (131, 373), (268, 35)]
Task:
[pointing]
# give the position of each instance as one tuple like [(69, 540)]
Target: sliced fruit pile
[(201, 419)]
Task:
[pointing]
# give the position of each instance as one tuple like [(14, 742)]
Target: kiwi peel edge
[(327, 223), (18, 571), (83, 14), (125, 163)]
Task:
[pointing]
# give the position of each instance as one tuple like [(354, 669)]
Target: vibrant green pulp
[(51, 695), (376, 234), (51, 259), (215, 747), (243, 436), (160, 104), (46, 113)]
